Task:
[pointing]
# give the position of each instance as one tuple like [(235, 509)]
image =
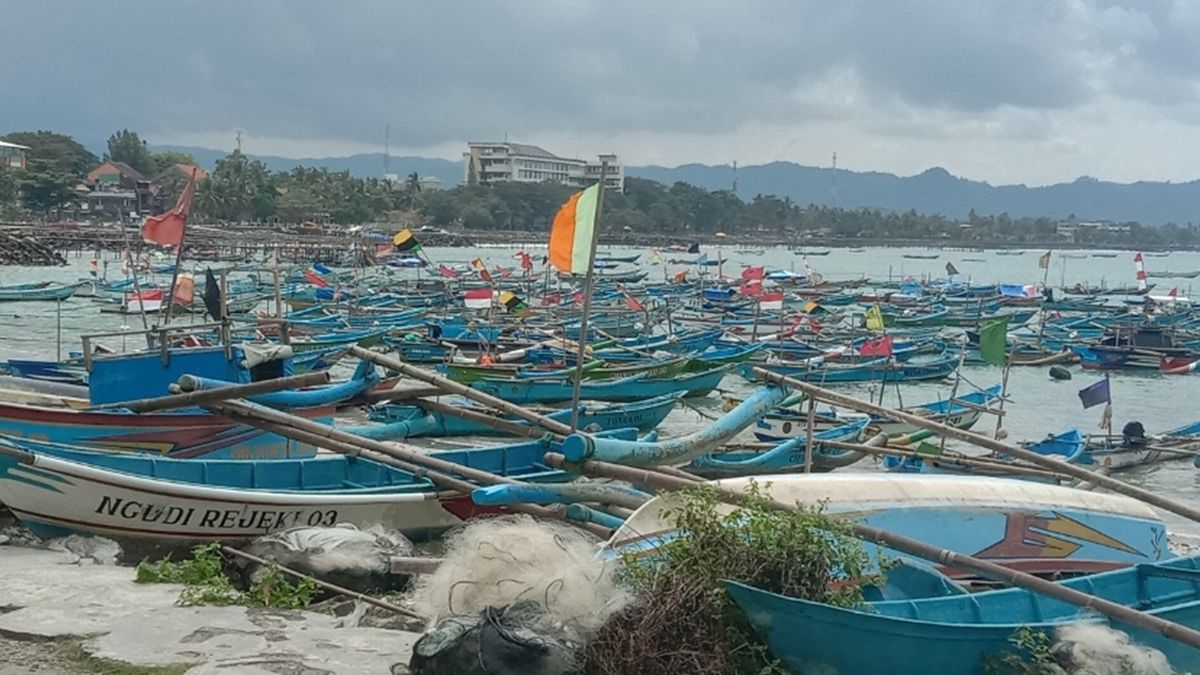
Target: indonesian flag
[(167, 228), (571, 233), (770, 301), (478, 298), (146, 301), (879, 347)]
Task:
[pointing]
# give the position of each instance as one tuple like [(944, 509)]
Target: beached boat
[(59, 489), (955, 634), (1034, 527)]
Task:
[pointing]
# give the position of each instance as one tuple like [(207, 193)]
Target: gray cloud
[(439, 73)]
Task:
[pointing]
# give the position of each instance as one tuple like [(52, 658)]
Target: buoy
[(1059, 373)]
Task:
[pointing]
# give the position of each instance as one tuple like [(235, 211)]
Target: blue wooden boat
[(38, 291), (634, 388), (411, 421), (48, 371), (59, 489), (954, 635), (787, 457)]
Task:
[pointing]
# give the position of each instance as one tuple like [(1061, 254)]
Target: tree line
[(241, 189)]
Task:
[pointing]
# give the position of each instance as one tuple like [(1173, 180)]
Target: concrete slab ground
[(72, 613)]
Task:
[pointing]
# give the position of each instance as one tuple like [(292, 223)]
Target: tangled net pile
[(497, 562)]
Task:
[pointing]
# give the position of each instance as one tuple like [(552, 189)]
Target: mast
[(589, 287)]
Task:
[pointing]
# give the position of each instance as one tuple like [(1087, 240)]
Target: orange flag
[(571, 233), (167, 228)]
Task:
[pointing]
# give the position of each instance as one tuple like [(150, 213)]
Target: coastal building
[(117, 189), (12, 156), (486, 163)]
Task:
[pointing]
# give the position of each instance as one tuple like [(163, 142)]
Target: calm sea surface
[(1039, 405)]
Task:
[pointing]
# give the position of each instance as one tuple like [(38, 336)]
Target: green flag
[(929, 449), (992, 341)]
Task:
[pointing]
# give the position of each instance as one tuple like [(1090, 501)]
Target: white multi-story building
[(486, 163)]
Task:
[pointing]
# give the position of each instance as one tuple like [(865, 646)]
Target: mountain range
[(932, 191)]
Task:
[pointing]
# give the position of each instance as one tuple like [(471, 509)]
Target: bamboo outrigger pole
[(920, 549), (1018, 452), (452, 387)]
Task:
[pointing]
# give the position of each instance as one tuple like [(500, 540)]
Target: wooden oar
[(1028, 456), (903, 544)]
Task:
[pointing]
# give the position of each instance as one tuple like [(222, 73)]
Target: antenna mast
[(735, 176), (387, 157), (833, 183)]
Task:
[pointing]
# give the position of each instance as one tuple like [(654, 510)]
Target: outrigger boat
[(956, 634), (58, 489)]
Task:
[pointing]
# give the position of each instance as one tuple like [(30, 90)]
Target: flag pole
[(178, 256), (589, 286)]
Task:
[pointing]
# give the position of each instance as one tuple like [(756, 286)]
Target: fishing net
[(514, 595), (344, 555)]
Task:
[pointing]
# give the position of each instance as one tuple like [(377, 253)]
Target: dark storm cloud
[(446, 71)]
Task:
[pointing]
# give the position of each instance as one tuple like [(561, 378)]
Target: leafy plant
[(1032, 654), (686, 622), (205, 582)]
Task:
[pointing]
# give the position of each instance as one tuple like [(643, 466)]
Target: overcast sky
[(1007, 91)]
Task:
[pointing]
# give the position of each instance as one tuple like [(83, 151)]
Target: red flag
[(879, 347), (1138, 257), (526, 260), (483, 270), (447, 272), (632, 302), (185, 291), (314, 279), (579, 298), (1174, 293), (752, 272), (751, 289), (167, 228)]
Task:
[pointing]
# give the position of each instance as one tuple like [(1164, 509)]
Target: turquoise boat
[(954, 635), (411, 421), (876, 370), (38, 291), (787, 457), (635, 388)]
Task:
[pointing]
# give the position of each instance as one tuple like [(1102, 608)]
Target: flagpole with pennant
[(1044, 263), (169, 229), (573, 238)]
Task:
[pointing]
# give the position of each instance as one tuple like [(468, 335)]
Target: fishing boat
[(786, 457), (41, 291), (413, 421), (956, 634), (1035, 527), (921, 256), (875, 370), (634, 388), (960, 412), (59, 489)]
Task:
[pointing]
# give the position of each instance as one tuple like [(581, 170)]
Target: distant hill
[(932, 191), (363, 166)]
